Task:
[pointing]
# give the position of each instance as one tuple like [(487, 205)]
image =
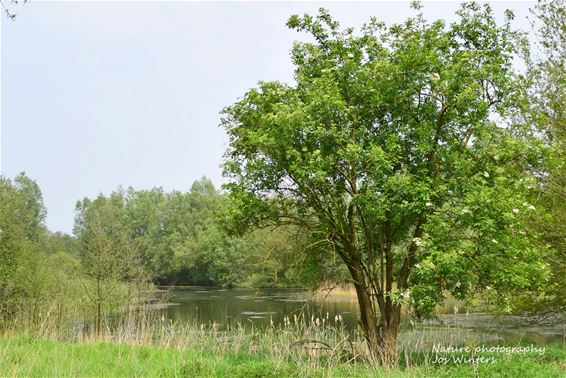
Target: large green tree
[(549, 112), (396, 146)]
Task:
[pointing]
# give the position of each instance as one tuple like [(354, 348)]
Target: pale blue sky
[(101, 94)]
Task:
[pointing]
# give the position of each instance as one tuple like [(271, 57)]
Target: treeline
[(179, 238), (129, 240)]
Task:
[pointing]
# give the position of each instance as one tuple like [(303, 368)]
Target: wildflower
[(494, 241), (515, 211), (485, 174), (428, 204), (418, 241), (350, 55)]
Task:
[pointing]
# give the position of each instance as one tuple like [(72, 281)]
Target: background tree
[(31, 257), (180, 239), (396, 147), (108, 255), (548, 111), (146, 214), (21, 224)]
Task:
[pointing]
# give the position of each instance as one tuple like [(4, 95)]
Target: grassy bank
[(23, 356)]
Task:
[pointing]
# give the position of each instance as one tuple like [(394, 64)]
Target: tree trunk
[(388, 332), (98, 308), (381, 337), (368, 321)]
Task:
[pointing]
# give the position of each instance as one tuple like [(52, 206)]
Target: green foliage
[(110, 259), (398, 146), (104, 243), (37, 268), (59, 242), (21, 224), (180, 238), (548, 112)]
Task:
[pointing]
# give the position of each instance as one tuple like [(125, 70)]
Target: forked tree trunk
[(380, 333)]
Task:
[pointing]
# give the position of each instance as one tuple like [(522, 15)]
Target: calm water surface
[(263, 307), (258, 307)]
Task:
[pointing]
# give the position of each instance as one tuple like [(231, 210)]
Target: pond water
[(263, 307), (257, 307)]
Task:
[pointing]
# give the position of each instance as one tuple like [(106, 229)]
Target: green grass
[(29, 356)]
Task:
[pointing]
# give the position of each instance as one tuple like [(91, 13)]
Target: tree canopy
[(548, 111), (400, 148)]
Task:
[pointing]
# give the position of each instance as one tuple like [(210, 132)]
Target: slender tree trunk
[(98, 308)]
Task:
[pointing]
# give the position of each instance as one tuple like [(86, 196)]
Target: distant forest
[(175, 238)]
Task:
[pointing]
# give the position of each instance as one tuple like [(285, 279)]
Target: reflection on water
[(259, 307), (263, 307)]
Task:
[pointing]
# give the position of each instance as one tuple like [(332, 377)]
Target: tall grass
[(318, 346)]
